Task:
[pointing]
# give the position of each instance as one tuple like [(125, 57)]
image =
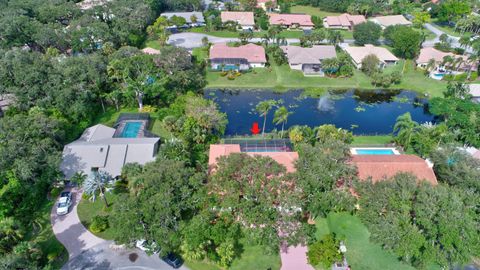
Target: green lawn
[(313, 11), (252, 257), (282, 78), (371, 140), (42, 234), (87, 210), (361, 253), (230, 34)]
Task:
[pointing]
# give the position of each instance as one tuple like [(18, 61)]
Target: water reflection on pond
[(363, 112)]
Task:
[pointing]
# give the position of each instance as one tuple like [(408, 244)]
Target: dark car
[(67, 194), (173, 260)]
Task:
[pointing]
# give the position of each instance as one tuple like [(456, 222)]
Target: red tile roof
[(289, 19), (251, 52), (380, 167), (286, 159)]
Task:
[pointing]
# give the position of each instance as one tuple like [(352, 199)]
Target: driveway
[(294, 257), (87, 251)]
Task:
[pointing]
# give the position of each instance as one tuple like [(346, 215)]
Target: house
[(287, 159), (151, 51), (224, 57), (358, 53), (308, 60), (263, 4), (88, 4), (302, 21), (386, 21), (197, 17), (102, 148), (381, 167), (343, 21), (427, 54), (244, 19), (475, 92)]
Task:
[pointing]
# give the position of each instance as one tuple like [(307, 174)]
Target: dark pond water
[(363, 112)]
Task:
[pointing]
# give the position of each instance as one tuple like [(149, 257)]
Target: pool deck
[(121, 127)]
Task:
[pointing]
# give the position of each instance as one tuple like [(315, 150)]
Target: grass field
[(42, 234), (252, 257), (87, 210), (282, 77), (371, 140), (230, 34), (447, 29), (313, 11), (361, 253)]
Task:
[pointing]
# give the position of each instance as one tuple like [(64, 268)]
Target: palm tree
[(471, 63), (10, 234), (335, 37), (404, 129), (263, 107), (447, 61), (430, 65), (281, 117), (97, 182)]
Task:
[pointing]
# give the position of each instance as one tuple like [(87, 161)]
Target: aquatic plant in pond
[(362, 112)]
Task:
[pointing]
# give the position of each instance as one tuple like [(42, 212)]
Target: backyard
[(282, 78), (361, 253)]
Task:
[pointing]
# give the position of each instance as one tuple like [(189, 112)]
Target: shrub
[(223, 73), (99, 224), (458, 50), (148, 109), (324, 252), (120, 186), (473, 76), (396, 77), (231, 77), (346, 71), (55, 192)]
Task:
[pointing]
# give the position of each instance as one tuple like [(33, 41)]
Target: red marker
[(255, 129)]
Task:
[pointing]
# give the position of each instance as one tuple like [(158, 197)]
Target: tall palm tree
[(448, 61), (263, 107), (471, 63), (404, 128), (97, 182), (430, 65), (281, 117), (335, 37)]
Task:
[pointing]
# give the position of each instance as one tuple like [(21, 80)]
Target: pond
[(363, 112)]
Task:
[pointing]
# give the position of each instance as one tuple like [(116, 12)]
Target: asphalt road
[(190, 40)]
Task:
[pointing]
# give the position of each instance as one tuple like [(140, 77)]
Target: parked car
[(63, 205), (66, 194), (173, 260)]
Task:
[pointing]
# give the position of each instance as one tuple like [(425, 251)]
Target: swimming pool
[(438, 76), (131, 129), (374, 151)]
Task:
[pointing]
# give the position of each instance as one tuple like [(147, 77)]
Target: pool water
[(374, 152), (131, 129)]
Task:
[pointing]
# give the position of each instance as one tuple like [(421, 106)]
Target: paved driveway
[(294, 258), (86, 251)]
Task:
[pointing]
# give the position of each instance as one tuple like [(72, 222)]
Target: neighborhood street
[(190, 40)]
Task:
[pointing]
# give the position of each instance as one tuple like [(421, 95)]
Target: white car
[(63, 205)]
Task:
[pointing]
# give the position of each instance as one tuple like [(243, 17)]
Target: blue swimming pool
[(374, 152), (131, 129)]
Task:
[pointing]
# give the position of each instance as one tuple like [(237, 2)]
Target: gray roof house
[(99, 149), (187, 16), (308, 60)]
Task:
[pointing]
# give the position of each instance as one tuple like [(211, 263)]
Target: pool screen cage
[(143, 117), (261, 145)]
